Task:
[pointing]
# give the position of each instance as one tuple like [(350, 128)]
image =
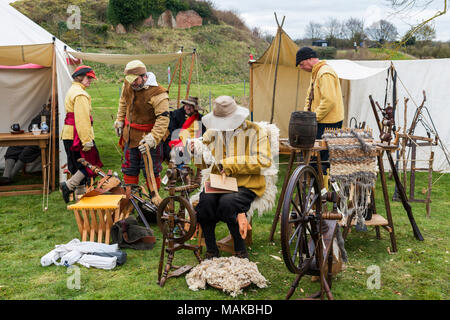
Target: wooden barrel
[(302, 129)]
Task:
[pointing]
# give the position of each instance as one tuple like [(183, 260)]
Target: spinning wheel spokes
[(176, 219), (301, 207)]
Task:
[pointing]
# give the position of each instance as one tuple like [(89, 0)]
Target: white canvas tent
[(359, 79), (431, 75), (24, 91)]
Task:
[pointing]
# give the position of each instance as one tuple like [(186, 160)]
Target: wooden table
[(27, 139)]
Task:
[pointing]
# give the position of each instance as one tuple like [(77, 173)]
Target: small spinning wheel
[(306, 234), (177, 221)]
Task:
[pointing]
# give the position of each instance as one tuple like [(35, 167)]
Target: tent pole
[(53, 132), (296, 92), (190, 73), (179, 78), (276, 73), (251, 91), (174, 72)]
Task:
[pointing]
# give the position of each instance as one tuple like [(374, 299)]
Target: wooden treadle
[(377, 220)]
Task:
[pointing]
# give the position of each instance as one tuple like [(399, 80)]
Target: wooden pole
[(174, 73), (276, 73), (190, 73), (404, 140), (251, 91), (387, 204), (179, 78), (430, 183), (53, 112)]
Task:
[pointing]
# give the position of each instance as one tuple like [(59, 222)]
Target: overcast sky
[(298, 13)]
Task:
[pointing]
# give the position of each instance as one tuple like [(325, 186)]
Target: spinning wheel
[(177, 221), (306, 234), (301, 210)]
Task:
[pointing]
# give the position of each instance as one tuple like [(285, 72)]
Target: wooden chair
[(261, 204), (96, 215)]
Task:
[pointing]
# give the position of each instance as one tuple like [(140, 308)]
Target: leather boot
[(210, 255), (69, 186), (75, 180), (65, 191)]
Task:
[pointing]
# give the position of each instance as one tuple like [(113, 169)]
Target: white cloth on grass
[(71, 258), (90, 260), (74, 250)]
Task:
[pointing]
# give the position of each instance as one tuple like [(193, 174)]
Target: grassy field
[(419, 270), (373, 54)]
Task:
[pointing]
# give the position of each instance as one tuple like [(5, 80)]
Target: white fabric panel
[(18, 93), (21, 30), (123, 59), (64, 81), (432, 75), (350, 70), (23, 93)]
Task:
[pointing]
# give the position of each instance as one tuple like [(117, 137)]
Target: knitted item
[(353, 166)]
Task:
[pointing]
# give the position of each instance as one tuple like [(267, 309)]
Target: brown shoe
[(210, 255), (4, 181), (241, 254)]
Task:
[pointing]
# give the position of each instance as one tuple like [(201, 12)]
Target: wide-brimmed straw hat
[(193, 101), (226, 114)]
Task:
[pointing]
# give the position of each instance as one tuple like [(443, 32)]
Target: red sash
[(140, 127), (186, 125)]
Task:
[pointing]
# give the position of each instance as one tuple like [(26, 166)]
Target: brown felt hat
[(193, 101)]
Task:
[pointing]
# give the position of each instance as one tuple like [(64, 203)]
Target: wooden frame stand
[(96, 215), (377, 220)]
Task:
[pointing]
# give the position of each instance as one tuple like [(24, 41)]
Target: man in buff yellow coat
[(142, 119)]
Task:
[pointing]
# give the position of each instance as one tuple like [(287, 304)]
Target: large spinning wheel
[(301, 210), (306, 235)]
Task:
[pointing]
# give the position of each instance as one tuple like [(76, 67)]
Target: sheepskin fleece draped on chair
[(267, 201)]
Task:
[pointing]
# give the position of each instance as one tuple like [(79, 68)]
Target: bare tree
[(332, 28), (382, 31), (426, 33), (314, 31), (407, 6), (354, 29)]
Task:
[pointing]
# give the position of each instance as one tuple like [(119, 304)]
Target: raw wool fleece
[(267, 201), (230, 273)]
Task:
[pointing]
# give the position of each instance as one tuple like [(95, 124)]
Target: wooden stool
[(104, 211), (225, 244)]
